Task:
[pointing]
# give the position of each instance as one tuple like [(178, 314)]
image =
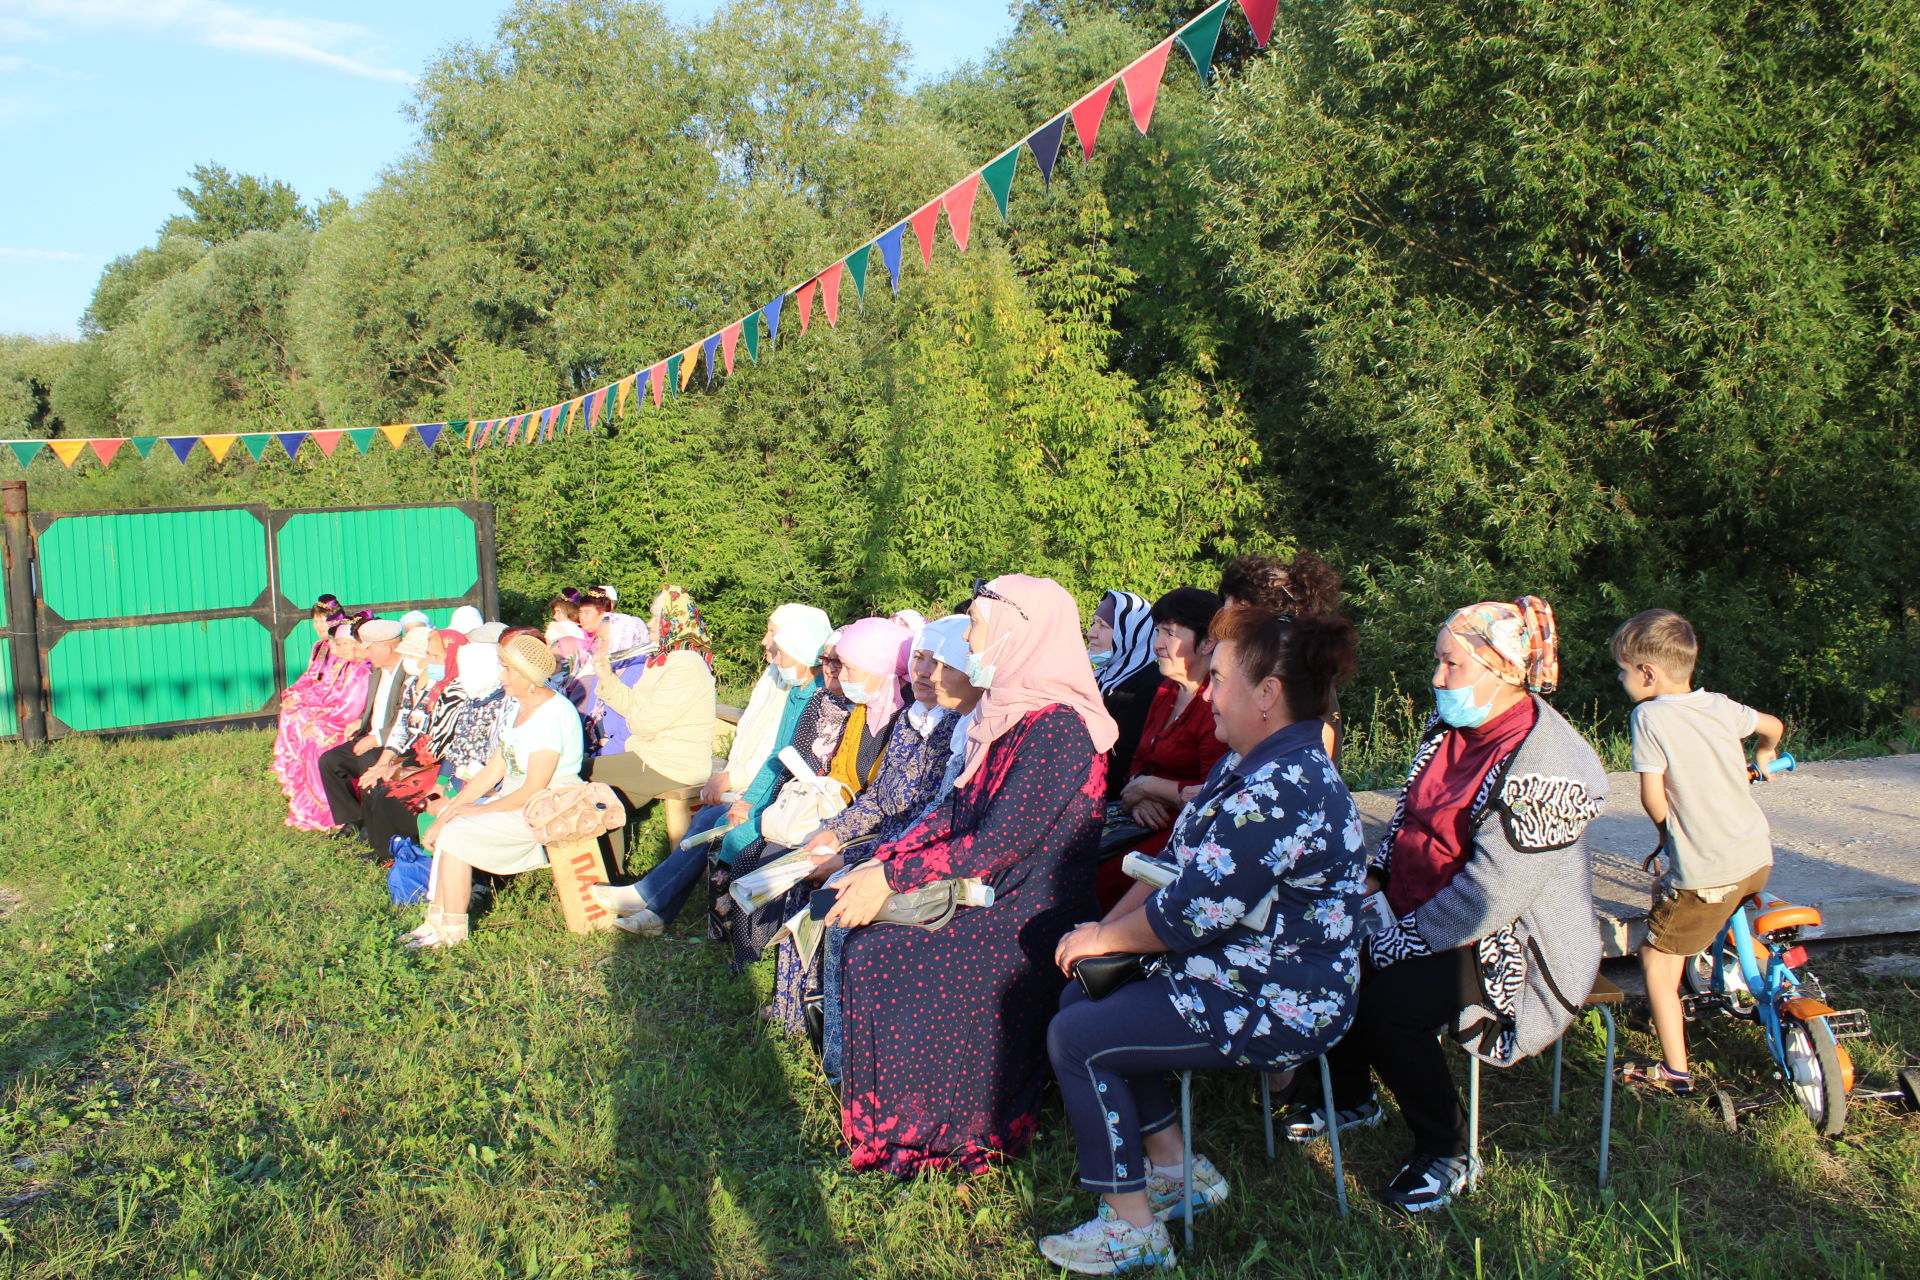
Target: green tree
[(223, 206)]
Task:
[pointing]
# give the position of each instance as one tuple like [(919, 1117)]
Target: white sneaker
[(1167, 1196), (642, 922), (1108, 1245), (620, 899)]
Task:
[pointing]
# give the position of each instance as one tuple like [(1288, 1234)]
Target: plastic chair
[(1266, 1114), (1603, 996)]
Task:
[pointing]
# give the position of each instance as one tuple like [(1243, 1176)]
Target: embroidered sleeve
[(1540, 812)]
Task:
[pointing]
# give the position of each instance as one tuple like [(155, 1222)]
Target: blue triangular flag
[(292, 440), (889, 243), (710, 346), (1044, 142), (429, 432), (772, 312), (182, 445)]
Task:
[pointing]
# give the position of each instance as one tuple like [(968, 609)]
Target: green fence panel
[(9, 717), (127, 677), (134, 563), (378, 557)]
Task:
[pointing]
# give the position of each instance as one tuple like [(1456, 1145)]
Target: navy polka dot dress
[(945, 1032)]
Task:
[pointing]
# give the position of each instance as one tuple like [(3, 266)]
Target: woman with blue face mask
[(1120, 646), (1487, 892)]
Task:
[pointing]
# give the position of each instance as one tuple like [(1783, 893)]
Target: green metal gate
[(197, 617)]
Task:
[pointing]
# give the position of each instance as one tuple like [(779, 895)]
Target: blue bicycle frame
[(1768, 988)]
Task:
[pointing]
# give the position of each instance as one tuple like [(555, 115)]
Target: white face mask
[(980, 672), (784, 678), (858, 694)]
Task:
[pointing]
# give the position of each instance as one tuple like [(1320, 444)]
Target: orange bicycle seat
[(1786, 916)]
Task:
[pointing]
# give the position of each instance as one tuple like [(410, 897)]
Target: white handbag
[(804, 803)]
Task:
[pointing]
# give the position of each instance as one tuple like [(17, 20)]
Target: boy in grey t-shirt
[(1694, 784)]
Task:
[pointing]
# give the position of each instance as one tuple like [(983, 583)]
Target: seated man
[(341, 767)]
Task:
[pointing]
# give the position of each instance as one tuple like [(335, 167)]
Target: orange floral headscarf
[(1517, 642)]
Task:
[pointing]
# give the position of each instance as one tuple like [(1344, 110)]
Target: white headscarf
[(805, 633), (477, 667), (946, 640), (464, 620)]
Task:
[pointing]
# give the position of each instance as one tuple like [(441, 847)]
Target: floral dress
[(944, 1055), (1261, 921)]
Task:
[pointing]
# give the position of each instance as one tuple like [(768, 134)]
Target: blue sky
[(106, 104)]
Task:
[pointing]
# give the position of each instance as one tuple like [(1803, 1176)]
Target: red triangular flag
[(1260, 17), (1143, 82), (804, 296), (1087, 113), (105, 449), (958, 203), (729, 339), (327, 440), (830, 290), (657, 378), (925, 221)]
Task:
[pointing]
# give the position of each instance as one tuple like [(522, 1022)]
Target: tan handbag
[(581, 811)]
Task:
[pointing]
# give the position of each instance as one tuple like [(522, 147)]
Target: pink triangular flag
[(830, 290), (958, 202), (730, 339), (327, 440), (1260, 17), (657, 379), (804, 296), (1087, 113), (105, 449), (1143, 82), (925, 221)]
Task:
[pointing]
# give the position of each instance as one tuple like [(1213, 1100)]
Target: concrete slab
[(1846, 837)]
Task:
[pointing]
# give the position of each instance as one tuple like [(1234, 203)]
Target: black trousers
[(340, 768), (385, 818), (1393, 1037)]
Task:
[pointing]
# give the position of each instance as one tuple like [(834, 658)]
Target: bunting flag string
[(1141, 79)]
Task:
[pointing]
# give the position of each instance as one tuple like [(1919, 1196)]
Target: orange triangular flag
[(958, 203), (218, 445), (830, 290), (327, 440), (1143, 82), (620, 396), (657, 379), (105, 449), (729, 340), (925, 221), (804, 296), (68, 450), (1086, 116), (396, 435)]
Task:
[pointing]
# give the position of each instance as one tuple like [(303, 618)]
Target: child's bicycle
[(1803, 1032)]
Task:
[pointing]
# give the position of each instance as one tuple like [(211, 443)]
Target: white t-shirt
[(1716, 832), (553, 726)]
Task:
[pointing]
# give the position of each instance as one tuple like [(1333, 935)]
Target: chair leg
[(1558, 1047), (1333, 1136), (1186, 1158), (1266, 1111), (1606, 1099), (1473, 1107)]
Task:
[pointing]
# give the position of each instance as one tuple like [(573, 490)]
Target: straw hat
[(529, 656)]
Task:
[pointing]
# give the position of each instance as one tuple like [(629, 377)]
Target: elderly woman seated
[(1249, 953), (485, 827)]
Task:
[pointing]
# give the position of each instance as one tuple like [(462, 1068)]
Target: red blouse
[(1182, 750), (1434, 840)]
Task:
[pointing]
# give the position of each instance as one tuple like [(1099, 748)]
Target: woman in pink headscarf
[(944, 1059)]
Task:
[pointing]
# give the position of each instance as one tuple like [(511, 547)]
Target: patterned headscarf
[(1517, 642), (681, 627), (453, 641), (619, 633), (1131, 618)]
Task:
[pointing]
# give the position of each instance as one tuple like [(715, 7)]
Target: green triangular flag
[(1201, 36), (26, 449), (362, 438), (673, 374), (144, 444), (750, 330), (257, 444), (999, 177), (857, 268)]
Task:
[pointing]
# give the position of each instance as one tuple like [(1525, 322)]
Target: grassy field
[(217, 1065)]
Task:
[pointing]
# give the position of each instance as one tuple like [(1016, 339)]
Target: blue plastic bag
[(407, 877)]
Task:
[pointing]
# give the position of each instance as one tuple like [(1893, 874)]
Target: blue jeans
[(666, 886)]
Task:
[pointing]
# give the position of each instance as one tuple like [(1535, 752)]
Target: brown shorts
[(1682, 922)]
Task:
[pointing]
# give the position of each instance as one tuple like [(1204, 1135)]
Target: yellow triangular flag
[(689, 360), (396, 435), (620, 396), (67, 450), (218, 446)]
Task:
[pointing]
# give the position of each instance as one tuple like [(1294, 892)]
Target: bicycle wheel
[(1816, 1072), (1697, 979)]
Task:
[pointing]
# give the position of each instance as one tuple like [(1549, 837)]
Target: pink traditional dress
[(325, 715)]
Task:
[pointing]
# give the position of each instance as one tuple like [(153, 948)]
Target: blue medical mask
[(1099, 660), (1457, 707), (436, 671)]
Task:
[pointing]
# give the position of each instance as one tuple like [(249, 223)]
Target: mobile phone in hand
[(821, 901)]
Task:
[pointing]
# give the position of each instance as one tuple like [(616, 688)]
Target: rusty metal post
[(23, 625)]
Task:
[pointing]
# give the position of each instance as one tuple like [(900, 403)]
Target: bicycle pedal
[(1696, 1008), (1849, 1024)]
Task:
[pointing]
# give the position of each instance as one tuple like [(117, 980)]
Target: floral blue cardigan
[(1277, 827)]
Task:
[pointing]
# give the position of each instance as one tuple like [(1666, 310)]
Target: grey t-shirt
[(1718, 835)]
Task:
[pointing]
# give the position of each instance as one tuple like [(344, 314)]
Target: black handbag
[(1101, 976)]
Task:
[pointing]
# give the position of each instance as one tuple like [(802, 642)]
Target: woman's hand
[(1188, 793), (738, 812), (862, 894), (710, 793), (1134, 792), (1154, 815), (824, 865), (1085, 940), (1374, 883)]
